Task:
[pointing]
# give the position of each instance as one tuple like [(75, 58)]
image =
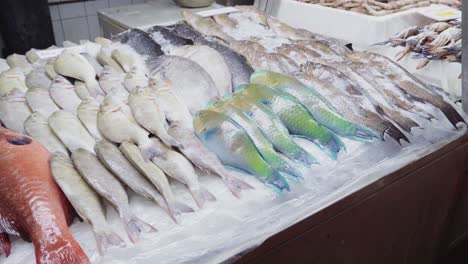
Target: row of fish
[(436, 41), (381, 7)]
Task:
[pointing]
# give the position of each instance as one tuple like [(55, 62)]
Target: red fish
[(31, 204)]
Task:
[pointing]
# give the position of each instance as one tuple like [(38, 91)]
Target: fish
[(264, 147), (146, 111), (14, 110), (295, 117), (112, 82), (180, 119), (111, 157), (225, 21), (38, 78), (84, 199), (12, 79), (19, 61), (410, 85), (74, 65), (273, 129), (298, 53), (64, 95), (188, 79), (81, 90), (166, 38), (115, 125), (127, 58), (156, 177), (103, 41), (37, 126), (347, 100), (93, 62), (39, 100), (107, 186), (235, 149), (254, 14), (211, 61), (238, 66), (50, 69), (134, 79), (104, 58), (178, 167), (319, 107), (70, 131), (87, 113), (32, 205), (141, 42), (206, 26)]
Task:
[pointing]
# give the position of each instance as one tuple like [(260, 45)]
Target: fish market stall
[(226, 138)]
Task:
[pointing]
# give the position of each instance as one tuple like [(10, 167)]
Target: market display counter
[(410, 216)]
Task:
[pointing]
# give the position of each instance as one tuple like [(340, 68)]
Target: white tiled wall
[(77, 21)]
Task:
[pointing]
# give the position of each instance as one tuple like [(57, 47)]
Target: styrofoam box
[(346, 25)]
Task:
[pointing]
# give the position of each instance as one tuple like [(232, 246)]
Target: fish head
[(110, 104), (37, 117), (205, 120)]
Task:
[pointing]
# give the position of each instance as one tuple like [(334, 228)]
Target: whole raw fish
[(39, 100), (104, 58), (32, 206), (156, 177), (19, 61), (146, 111), (127, 58), (14, 110), (87, 113), (234, 148), (206, 26), (70, 131), (50, 69), (264, 147), (115, 125), (112, 82), (273, 128), (135, 78), (322, 110), (178, 167), (12, 79), (104, 183), (37, 126), (64, 95), (86, 202), (295, 116), (141, 42)]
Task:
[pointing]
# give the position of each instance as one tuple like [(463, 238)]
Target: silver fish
[(37, 127), (105, 184), (64, 95), (39, 100)]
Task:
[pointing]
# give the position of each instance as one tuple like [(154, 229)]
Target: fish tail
[(177, 208), (104, 238), (404, 122), (364, 134), (303, 157), (64, 250), (395, 133), (5, 245), (449, 111), (201, 195), (149, 150), (332, 146), (236, 185), (290, 172), (278, 183), (134, 226)]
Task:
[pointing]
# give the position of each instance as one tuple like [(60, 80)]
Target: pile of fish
[(181, 101), (436, 41), (381, 7)]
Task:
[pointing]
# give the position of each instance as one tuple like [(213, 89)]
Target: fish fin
[(404, 122), (5, 245), (395, 133), (278, 184), (177, 208), (150, 150), (134, 226), (303, 157), (364, 134), (201, 195), (105, 238), (333, 146), (236, 185), (290, 172), (64, 250)]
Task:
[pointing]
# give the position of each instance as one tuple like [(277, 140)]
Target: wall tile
[(72, 10), (54, 12), (134, 2), (93, 6), (94, 28), (76, 29), (114, 3), (58, 32)]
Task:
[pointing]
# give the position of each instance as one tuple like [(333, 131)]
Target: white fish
[(156, 176), (32, 56), (146, 111), (112, 82), (104, 58), (12, 79), (39, 100), (126, 58), (50, 69), (14, 110), (85, 201), (81, 90), (210, 60), (135, 78), (87, 113), (64, 95), (103, 41), (74, 65), (37, 127), (38, 78), (178, 167), (115, 125), (4, 65), (70, 131), (115, 161), (93, 61), (19, 61), (104, 183)]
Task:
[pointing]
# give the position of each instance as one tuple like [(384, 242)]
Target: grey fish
[(14, 110), (238, 66), (39, 100), (164, 36), (37, 126), (104, 183), (84, 200), (141, 42)]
